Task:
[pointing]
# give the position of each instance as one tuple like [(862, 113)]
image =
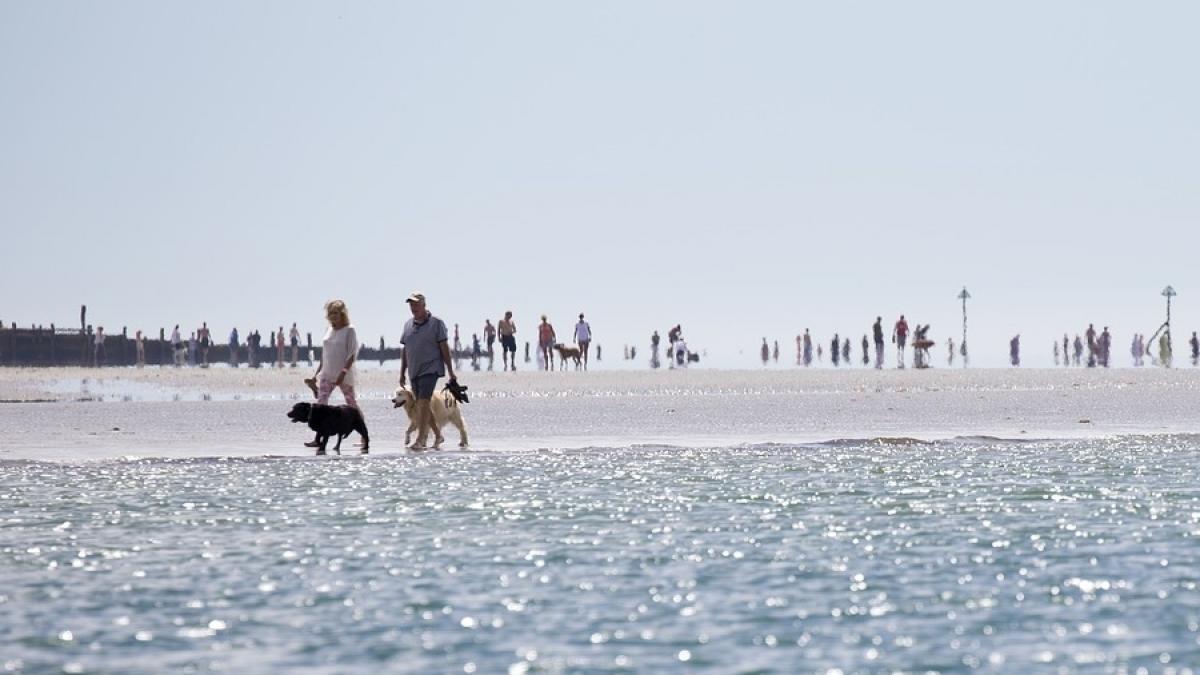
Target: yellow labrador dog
[(568, 352), (444, 408)]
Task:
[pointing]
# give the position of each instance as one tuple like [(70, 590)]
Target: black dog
[(331, 420)]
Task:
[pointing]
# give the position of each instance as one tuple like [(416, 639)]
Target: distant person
[(98, 347), (654, 341), (1014, 350), (546, 338), (233, 347), (256, 350), (527, 351), (775, 354), (599, 352), (1164, 350), (1056, 352), (835, 350), (1105, 346), (1093, 356), (799, 350), (508, 340), (457, 342), (1078, 350), (820, 353), (681, 351), (808, 349), (476, 351), (900, 337), (280, 348), (177, 350), (205, 343), (489, 336), (672, 337), (921, 344), (950, 349), (846, 351), (425, 358), (139, 343), (294, 337), (193, 346), (583, 338), (866, 350), (1066, 351), (877, 331), (308, 348), (1195, 342), (1135, 350), (765, 352)]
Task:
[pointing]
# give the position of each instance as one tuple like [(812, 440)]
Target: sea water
[(869, 555)]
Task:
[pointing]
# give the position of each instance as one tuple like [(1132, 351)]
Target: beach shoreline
[(83, 414)]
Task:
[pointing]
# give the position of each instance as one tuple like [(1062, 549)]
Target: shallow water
[(861, 555)]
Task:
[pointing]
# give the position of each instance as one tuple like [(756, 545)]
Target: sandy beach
[(89, 414)]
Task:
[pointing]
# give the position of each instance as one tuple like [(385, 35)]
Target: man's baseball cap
[(415, 296)]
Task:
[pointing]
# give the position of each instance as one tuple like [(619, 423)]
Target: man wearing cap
[(425, 358)]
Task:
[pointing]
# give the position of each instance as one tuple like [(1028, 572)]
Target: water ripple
[(970, 554)]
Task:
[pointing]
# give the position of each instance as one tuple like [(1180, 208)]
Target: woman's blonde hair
[(337, 308)]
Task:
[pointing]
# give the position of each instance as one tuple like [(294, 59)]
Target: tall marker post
[(1169, 293), (964, 296)]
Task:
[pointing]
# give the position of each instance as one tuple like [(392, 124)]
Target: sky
[(747, 170)]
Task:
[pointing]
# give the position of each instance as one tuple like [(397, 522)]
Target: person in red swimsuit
[(546, 342)]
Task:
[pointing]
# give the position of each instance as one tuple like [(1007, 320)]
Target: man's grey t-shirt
[(422, 346)]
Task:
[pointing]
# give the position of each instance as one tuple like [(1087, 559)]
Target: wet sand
[(87, 414)]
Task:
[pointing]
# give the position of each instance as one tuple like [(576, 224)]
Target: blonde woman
[(338, 356)]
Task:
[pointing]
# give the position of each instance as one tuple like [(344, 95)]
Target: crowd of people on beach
[(194, 350), (288, 351), (1095, 346), (1099, 349), (841, 348), (548, 344), (1093, 349)]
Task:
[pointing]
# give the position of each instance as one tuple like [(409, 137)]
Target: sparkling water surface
[(972, 554)]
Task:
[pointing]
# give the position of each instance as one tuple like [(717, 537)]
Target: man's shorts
[(509, 343), (423, 387)]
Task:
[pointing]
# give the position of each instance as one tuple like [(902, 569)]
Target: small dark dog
[(331, 420)]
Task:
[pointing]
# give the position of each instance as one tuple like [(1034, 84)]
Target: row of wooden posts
[(53, 346)]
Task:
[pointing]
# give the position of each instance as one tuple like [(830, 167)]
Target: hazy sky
[(748, 169)]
